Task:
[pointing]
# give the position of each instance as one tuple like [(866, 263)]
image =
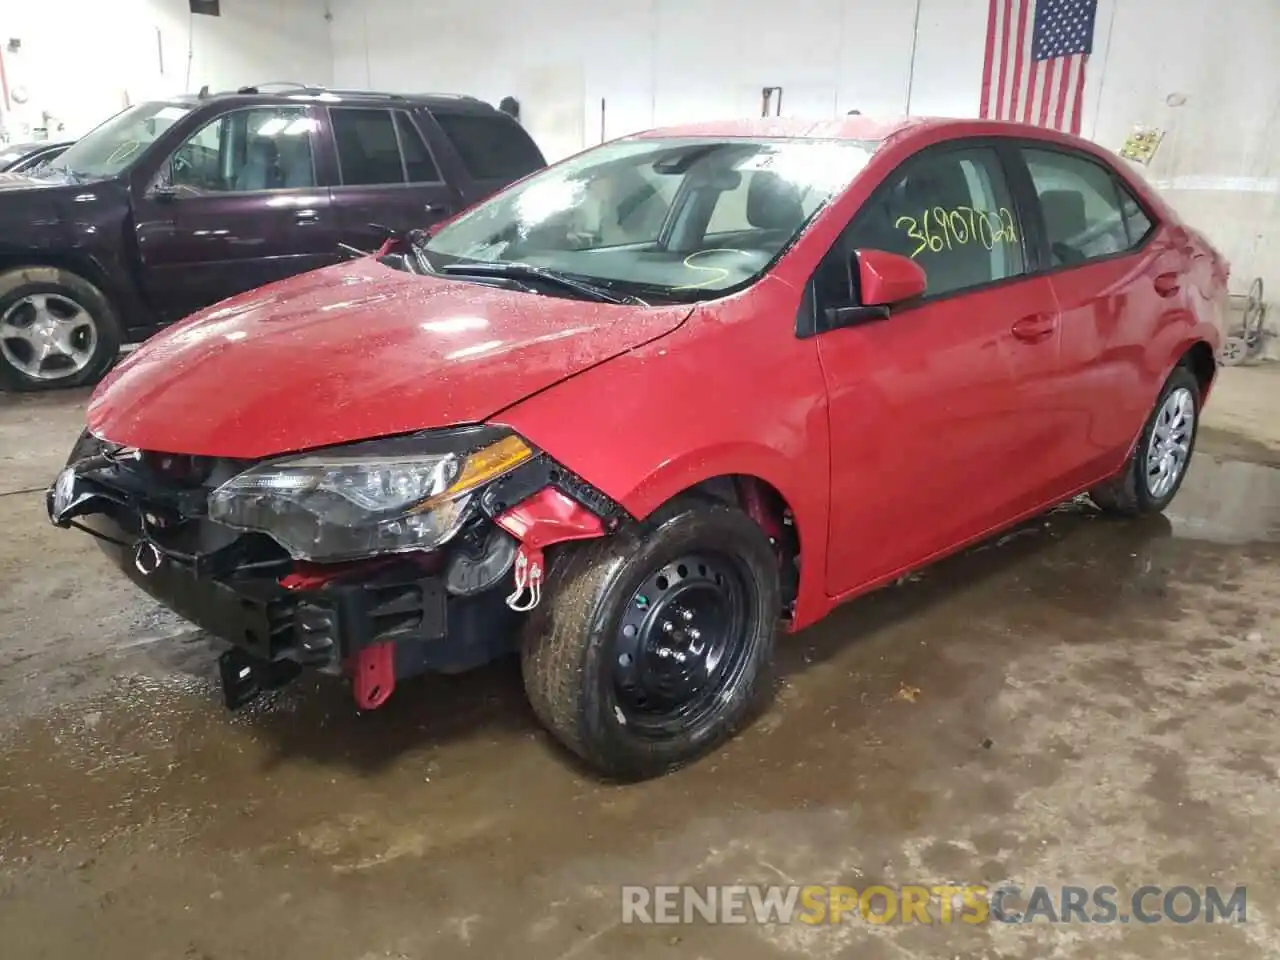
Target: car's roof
[(855, 127), (284, 92)]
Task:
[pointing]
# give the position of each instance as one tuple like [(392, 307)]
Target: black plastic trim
[(541, 472)]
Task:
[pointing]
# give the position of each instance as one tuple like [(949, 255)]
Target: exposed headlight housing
[(380, 496)]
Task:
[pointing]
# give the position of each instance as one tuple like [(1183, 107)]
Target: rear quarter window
[(492, 147)]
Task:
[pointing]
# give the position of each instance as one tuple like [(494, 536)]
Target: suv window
[(491, 147), (1087, 212), (418, 165), (949, 211), (380, 146), (368, 151), (259, 148)]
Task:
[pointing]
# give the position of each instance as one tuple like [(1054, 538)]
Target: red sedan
[(631, 413)]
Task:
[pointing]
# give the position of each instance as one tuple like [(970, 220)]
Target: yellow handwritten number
[(913, 231), (958, 227)]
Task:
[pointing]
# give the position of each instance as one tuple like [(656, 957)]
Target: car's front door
[(241, 206), (386, 175), (933, 412)]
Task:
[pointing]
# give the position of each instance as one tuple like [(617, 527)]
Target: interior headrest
[(773, 203), (264, 148), (1064, 216)]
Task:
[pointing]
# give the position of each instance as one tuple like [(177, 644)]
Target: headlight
[(381, 496)]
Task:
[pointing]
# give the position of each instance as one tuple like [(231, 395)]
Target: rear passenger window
[(950, 211), (418, 164), (368, 151), (492, 147), (1087, 212)]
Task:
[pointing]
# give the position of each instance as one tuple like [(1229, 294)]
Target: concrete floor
[(1084, 702)]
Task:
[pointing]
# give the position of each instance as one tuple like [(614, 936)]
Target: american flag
[(1037, 53)]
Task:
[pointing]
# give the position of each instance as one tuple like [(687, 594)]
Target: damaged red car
[(631, 415)]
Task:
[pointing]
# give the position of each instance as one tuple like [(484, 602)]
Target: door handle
[(1166, 284), (1035, 327), (306, 216), (436, 208)]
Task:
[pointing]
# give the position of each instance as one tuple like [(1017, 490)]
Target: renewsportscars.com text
[(930, 904)]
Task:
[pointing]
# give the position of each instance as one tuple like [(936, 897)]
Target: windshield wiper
[(521, 270)]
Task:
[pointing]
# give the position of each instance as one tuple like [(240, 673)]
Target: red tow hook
[(373, 675), (373, 669)]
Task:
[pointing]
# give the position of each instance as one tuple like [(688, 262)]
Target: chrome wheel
[(1170, 445), (47, 336)]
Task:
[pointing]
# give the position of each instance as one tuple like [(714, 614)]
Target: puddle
[(1227, 501)]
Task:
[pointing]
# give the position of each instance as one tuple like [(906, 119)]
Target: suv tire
[(56, 312)]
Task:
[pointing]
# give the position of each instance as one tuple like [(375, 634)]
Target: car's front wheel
[(56, 330), (1155, 471), (652, 646)]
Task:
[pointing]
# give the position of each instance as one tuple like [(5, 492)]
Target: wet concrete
[(1081, 701)]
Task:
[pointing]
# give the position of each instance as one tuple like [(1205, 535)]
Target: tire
[(577, 653), (1134, 492), (83, 330)]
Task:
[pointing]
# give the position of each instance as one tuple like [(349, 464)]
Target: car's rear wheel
[(1155, 471), (56, 330), (652, 646)]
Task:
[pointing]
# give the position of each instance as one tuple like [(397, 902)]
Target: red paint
[(357, 350), (312, 576), (548, 517), (373, 675), (891, 442), (888, 278), (755, 502)]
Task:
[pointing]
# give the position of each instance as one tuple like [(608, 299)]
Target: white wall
[(82, 60), (662, 61)]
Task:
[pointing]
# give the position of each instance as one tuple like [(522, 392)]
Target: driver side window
[(262, 148), (951, 211)]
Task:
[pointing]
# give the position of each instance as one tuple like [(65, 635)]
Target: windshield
[(680, 218), (112, 146)]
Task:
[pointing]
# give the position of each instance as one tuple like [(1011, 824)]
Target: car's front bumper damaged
[(375, 620)]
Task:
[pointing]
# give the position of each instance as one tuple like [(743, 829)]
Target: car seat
[(773, 203), (1065, 224), (943, 185), (261, 170), (295, 161)]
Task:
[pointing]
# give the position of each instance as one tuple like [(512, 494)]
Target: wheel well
[(82, 267), (766, 505), (1200, 361)]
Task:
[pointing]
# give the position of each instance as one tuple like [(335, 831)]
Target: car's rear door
[(240, 206), (491, 149), (1115, 277), (385, 174), (934, 421)]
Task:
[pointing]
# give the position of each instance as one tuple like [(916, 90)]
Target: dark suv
[(174, 205)]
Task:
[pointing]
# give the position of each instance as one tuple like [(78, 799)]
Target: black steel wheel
[(681, 643), (652, 646)]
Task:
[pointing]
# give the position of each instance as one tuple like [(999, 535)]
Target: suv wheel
[(56, 330), (653, 646)]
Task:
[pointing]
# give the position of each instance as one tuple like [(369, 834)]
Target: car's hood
[(16, 182), (351, 352)]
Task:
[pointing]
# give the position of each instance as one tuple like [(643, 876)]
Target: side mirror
[(884, 280), (888, 278)]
